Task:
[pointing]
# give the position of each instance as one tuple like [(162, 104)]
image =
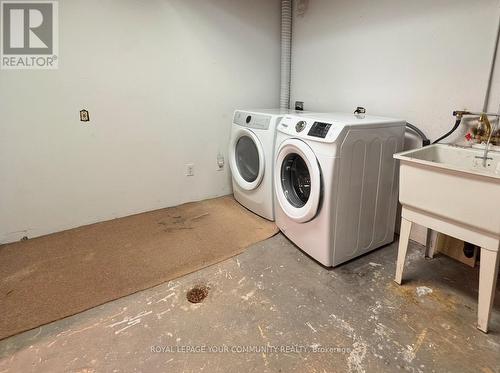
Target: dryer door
[(246, 159), (297, 180)]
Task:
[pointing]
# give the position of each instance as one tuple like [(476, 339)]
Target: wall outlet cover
[(220, 161), (84, 115)]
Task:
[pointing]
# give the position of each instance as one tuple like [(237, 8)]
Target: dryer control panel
[(252, 120), (319, 129), (308, 128)]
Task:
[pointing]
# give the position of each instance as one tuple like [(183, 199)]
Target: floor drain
[(197, 294)]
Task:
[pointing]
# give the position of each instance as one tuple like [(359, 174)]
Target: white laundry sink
[(448, 189), (449, 182)]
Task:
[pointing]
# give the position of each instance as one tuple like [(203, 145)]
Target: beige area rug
[(55, 276)]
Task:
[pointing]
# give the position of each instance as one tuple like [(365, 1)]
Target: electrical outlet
[(220, 161), (84, 115), (190, 169)]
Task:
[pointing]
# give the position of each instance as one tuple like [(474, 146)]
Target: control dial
[(300, 126)]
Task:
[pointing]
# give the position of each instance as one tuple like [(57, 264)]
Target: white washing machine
[(251, 158), (336, 183)]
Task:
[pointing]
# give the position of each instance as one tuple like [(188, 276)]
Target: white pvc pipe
[(286, 53)]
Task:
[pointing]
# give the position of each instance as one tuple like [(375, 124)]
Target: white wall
[(417, 60), (160, 79)]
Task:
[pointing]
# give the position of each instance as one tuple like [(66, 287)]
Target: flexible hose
[(457, 123), (286, 53), (425, 139)]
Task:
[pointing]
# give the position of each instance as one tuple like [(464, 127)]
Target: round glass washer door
[(247, 159), (297, 180)]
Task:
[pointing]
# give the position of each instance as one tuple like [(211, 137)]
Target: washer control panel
[(251, 120)]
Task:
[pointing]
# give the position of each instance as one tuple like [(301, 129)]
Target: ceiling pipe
[(492, 70), (286, 53)]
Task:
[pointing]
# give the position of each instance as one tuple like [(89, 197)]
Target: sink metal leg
[(488, 273), (430, 247), (404, 238)]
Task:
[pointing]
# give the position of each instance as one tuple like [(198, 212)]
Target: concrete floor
[(353, 318)]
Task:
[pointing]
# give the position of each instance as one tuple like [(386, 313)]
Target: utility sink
[(454, 183), (452, 190)]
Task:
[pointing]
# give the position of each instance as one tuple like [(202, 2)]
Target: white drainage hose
[(286, 53)]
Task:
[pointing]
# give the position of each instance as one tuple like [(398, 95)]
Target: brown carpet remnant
[(55, 276)]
